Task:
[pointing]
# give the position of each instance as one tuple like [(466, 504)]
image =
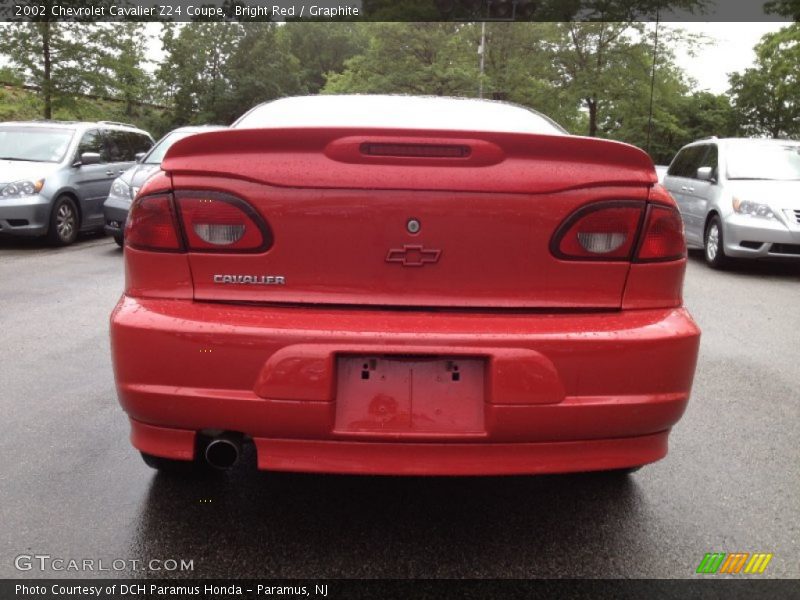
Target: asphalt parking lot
[(71, 486)]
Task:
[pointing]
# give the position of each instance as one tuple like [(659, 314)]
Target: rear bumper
[(562, 391), (414, 458)]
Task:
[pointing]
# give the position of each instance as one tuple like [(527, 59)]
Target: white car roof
[(74, 125), (743, 141), (397, 112)]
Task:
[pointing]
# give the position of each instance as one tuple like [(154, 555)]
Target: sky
[(729, 49)]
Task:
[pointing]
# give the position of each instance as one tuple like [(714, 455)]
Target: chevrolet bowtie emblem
[(413, 256)]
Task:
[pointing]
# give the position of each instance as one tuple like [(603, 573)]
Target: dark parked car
[(125, 187)]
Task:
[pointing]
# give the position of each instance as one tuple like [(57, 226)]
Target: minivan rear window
[(139, 143)]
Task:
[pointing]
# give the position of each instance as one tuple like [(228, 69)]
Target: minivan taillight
[(610, 231), (601, 231), (151, 225), (214, 222)]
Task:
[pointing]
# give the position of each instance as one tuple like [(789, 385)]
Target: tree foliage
[(520, 68), (411, 58), (194, 75), (66, 59), (784, 8), (593, 77), (767, 96), (322, 48), (50, 56)]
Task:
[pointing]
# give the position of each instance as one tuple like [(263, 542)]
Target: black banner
[(375, 589), (399, 10)]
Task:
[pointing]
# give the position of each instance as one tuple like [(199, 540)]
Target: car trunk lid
[(409, 219)]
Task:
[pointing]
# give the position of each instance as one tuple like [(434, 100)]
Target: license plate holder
[(410, 395)]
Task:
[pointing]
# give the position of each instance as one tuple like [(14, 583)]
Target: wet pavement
[(72, 487)]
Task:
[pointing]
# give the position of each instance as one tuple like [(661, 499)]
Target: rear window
[(123, 146), (160, 149), (398, 112), (35, 144), (138, 142), (119, 149)]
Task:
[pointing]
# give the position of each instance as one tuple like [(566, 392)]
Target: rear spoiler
[(382, 159)]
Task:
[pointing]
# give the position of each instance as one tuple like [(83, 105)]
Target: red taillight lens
[(215, 222), (151, 225), (663, 235), (602, 231), (610, 231)]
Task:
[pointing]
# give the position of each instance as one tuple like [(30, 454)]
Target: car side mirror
[(706, 174), (88, 158), (139, 156)]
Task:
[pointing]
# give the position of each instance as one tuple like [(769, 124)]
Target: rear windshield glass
[(398, 112), (35, 144), (764, 161), (160, 149)]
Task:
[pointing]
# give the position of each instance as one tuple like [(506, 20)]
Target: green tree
[(322, 48), (49, 56), (767, 96), (541, 10), (61, 59), (519, 67), (679, 118), (412, 58), (64, 60), (262, 68), (10, 76), (126, 76), (603, 64), (704, 114), (194, 75), (784, 8), (627, 116), (620, 11)]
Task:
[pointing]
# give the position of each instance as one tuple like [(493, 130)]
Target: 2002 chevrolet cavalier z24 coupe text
[(403, 285)]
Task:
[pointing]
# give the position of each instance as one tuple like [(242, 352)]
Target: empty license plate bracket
[(415, 395)]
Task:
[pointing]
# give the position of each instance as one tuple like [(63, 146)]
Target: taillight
[(663, 235), (151, 225), (220, 223), (206, 221), (610, 231), (602, 231)]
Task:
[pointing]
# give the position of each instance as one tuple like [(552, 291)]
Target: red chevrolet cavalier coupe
[(403, 285)]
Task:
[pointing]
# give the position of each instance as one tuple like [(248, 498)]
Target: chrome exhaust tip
[(223, 452)]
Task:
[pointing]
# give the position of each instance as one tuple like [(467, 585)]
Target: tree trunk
[(47, 89), (592, 116)]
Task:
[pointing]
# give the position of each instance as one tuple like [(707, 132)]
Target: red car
[(403, 285)]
